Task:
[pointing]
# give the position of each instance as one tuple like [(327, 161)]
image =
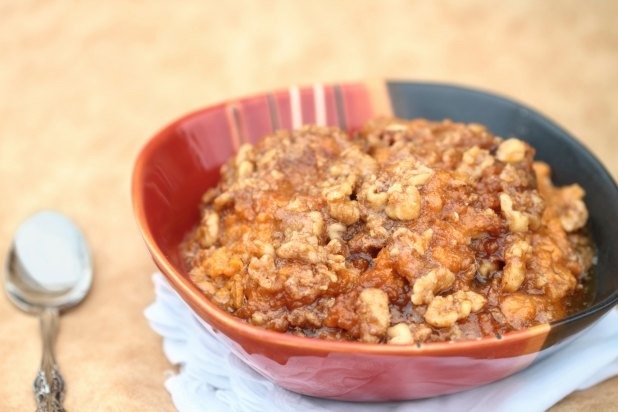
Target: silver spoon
[(48, 270)]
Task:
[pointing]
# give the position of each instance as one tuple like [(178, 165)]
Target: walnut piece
[(518, 221), (264, 272), (474, 161), (400, 334), (374, 314), (511, 151), (335, 231), (302, 283), (417, 175), (518, 309), (571, 208), (445, 311), (302, 232), (345, 212), (299, 248), (404, 237), (404, 203), (427, 286), (210, 228), (514, 271), (376, 200), (244, 165)]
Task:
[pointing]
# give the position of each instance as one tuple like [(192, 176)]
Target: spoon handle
[(49, 385)]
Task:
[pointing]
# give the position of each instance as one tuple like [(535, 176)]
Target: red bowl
[(179, 163)]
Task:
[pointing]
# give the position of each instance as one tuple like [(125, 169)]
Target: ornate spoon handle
[(49, 385)]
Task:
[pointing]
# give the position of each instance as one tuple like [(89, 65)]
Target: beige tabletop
[(83, 85)]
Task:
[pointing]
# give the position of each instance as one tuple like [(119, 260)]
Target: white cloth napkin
[(211, 378)]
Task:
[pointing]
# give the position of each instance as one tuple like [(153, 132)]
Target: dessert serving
[(405, 232), (297, 295)]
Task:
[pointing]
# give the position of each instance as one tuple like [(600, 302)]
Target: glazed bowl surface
[(182, 161)]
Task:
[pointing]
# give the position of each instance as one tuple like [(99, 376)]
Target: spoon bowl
[(48, 270), (48, 264)]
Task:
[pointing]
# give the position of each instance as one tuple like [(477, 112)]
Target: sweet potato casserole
[(407, 232)]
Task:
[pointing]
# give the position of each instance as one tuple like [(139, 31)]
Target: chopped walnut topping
[(336, 231), (345, 212), (376, 200), (373, 313), (264, 272), (514, 271), (511, 151), (244, 165), (298, 248), (417, 175), (210, 229), (433, 282), (400, 334), (222, 200), (518, 309), (474, 161), (421, 332), (445, 311), (245, 153), (486, 267), (304, 284), (571, 208), (404, 232), (421, 243), (396, 127), (340, 191), (245, 169), (518, 221), (404, 203)]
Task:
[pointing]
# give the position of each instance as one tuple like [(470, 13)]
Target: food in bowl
[(406, 232), (182, 161)]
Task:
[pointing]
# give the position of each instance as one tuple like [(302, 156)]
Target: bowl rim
[(223, 321)]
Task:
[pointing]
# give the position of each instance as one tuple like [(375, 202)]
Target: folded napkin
[(211, 378)]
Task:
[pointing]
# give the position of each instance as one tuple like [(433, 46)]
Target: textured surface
[(85, 84)]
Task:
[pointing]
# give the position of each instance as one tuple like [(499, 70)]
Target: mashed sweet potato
[(409, 231)]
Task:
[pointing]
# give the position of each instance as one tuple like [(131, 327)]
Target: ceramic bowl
[(180, 162)]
